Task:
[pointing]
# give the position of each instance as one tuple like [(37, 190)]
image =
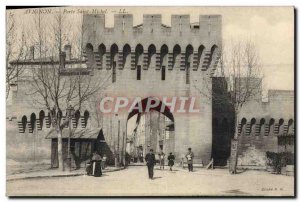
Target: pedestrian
[(190, 156), (104, 158), (171, 159), (150, 160), (161, 156), (127, 159), (96, 165)]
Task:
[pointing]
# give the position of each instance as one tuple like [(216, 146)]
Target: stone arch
[(144, 101), (32, 122), (201, 50), (188, 61), (86, 116), (139, 50), (77, 118), (252, 126), (290, 127), (176, 55), (113, 61), (24, 122), (102, 54), (41, 119), (59, 116), (89, 49), (213, 54), (281, 126), (262, 126), (168, 129), (126, 55), (114, 53), (151, 55), (243, 126), (164, 55), (271, 126), (189, 54)]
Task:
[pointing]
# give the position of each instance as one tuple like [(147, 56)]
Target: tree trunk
[(60, 149), (234, 146), (236, 126)]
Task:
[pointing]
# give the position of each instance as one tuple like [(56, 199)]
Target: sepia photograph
[(144, 101)]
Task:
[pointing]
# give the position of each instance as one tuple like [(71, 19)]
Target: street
[(134, 181)]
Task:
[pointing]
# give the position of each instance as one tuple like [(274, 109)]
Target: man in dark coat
[(150, 159), (171, 159)]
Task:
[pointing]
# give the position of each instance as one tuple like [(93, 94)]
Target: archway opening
[(176, 56), (114, 58), (90, 55), (41, 119), (102, 54), (32, 122), (153, 129), (126, 55), (151, 56), (188, 62)]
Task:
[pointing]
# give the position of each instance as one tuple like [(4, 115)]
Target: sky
[(270, 28)]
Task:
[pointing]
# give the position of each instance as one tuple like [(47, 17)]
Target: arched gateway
[(155, 60), (174, 64), (152, 128)]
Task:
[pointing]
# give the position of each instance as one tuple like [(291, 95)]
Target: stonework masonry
[(150, 59)]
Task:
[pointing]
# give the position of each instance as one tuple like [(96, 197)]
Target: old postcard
[(150, 101)]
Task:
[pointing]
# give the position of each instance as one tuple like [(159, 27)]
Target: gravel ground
[(134, 181)]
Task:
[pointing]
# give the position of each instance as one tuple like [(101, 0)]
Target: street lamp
[(70, 114)]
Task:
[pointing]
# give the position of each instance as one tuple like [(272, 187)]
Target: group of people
[(151, 161), (171, 159), (97, 164)]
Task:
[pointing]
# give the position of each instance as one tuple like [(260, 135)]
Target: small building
[(83, 143)]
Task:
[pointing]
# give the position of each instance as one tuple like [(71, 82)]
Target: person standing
[(171, 159), (161, 156), (127, 159), (150, 160), (96, 165), (104, 162), (190, 156)]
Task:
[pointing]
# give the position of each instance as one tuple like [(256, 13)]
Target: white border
[(4, 3)]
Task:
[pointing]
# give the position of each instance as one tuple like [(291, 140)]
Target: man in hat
[(190, 156), (150, 159)]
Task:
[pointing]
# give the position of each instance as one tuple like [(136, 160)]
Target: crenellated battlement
[(183, 45), (206, 32), (153, 23)]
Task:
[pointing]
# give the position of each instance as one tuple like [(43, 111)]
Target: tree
[(241, 80), (50, 87), (15, 50)]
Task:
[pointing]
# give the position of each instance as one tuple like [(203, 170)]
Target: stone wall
[(188, 70), (261, 124)]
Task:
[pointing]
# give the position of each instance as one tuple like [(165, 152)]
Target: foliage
[(279, 160)]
